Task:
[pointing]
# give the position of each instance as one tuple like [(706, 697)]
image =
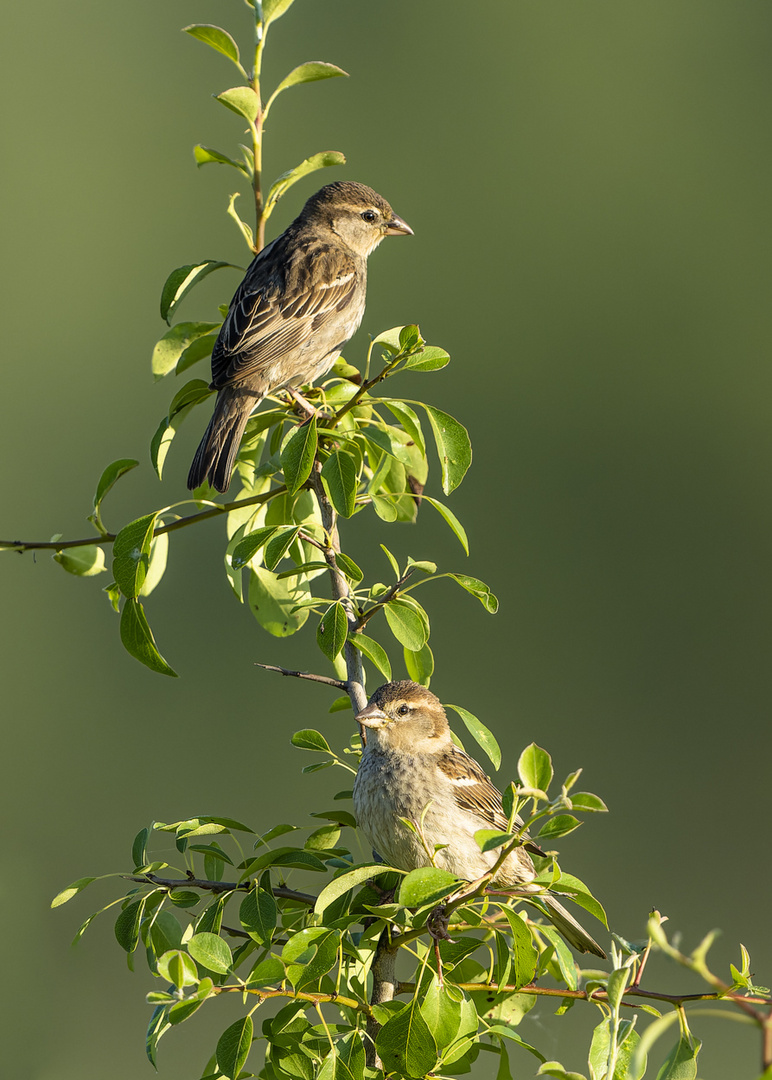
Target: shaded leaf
[(274, 603), (246, 548), (297, 457), (332, 630), (131, 554), (233, 1047), (339, 474), (305, 73), (71, 890), (110, 477), (137, 638), (405, 1044)]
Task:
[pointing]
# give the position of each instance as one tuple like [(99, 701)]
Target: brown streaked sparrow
[(412, 769), (302, 298)]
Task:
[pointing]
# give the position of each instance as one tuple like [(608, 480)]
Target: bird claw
[(437, 924)]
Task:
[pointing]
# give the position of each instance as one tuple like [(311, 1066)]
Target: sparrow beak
[(372, 716), (398, 227)]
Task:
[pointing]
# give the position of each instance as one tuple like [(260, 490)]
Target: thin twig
[(305, 675), (218, 886), (181, 523)]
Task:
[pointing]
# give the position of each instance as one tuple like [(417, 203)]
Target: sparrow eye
[(403, 710), (369, 215)]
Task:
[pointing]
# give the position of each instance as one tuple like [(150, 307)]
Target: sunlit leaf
[(453, 447), (535, 767), (405, 1045), (305, 73), (479, 589), (182, 280), (297, 457), (242, 100), (216, 38), (420, 665), (284, 182), (374, 652), (406, 624), (233, 1047), (480, 733), (332, 630), (339, 474), (85, 561)]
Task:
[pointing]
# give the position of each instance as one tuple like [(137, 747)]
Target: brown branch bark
[(305, 675), (217, 887)]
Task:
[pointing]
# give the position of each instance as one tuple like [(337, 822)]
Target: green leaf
[(207, 155), (274, 603), (139, 847), (419, 665), (405, 1044), (340, 704), (427, 885), (274, 9), (170, 348), (479, 589), (86, 561), (480, 733), (191, 394), (681, 1062), (349, 567), (127, 924), (159, 1024), (308, 739), (408, 419), (178, 968), (332, 630), (627, 1040), (406, 624), (571, 886), (345, 882), (217, 39), (492, 839), (297, 457), (453, 447), (560, 825), (310, 954), (305, 73), (159, 551), (339, 474), (554, 1068), (451, 519), (233, 1047), (266, 972), (585, 800), (182, 280), (523, 952), (242, 100), (535, 768), (374, 652), (441, 1012), (137, 638), (211, 952), (71, 890), (278, 546), (107, 481), (284, 182), (246, 548), (430, 358)]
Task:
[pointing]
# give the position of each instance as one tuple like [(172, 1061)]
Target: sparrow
[(302, 298), (411, 768)]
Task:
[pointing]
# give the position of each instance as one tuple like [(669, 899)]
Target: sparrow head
[(359, 216), (405, 715)]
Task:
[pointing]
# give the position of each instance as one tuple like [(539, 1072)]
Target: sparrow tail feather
[(217, 450), (567, 925)]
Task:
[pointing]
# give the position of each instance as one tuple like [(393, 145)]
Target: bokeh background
[(589, 188)]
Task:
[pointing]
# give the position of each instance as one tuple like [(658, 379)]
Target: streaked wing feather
[(476, 794), (263, 326)]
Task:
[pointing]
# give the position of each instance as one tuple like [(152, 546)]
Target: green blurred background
[(589, 185)]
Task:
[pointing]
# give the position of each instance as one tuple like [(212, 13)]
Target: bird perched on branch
[(302, 298), (412, 769)]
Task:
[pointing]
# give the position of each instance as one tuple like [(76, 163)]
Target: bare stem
[(217, 887), (181, 523), (305, 675)]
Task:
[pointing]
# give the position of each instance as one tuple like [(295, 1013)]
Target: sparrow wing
[(475, 793), (289, 294)]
